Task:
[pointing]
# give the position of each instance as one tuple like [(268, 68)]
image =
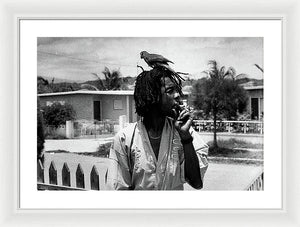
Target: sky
[(77, 58)]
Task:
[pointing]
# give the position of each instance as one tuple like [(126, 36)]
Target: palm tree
[(89, 87), (220, 94), (221, 73), (112, 81), (260, 68)]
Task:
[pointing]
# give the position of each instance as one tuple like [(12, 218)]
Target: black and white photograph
[(150, 113)]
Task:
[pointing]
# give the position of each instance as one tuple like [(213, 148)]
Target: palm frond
[(260, 68)]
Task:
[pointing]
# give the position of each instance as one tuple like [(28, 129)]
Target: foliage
[(112, 81), (64, 86), (40, 134), (219, 95), (43, 86), (57, 114)]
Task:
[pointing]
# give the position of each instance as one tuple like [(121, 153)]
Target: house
[(96, 105), (256, 101)]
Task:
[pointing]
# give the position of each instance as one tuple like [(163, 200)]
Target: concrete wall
[(82, 104), (256, 93), (107, 106)]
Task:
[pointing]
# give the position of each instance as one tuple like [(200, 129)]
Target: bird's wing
[(158, 58)]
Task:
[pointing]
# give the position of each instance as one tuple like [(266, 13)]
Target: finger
[(182, 113), (185, 116)]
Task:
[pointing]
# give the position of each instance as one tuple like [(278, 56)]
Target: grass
[(55, 137), (234, 143), (236, 149)]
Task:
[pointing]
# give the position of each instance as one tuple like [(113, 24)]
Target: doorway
[(97, 111), (254, 109)]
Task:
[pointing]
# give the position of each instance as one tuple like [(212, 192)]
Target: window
[(118, 104), (49, 103)]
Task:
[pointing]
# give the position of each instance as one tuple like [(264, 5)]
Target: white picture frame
[(12, 215)]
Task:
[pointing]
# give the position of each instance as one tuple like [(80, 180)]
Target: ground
[(222, 174)]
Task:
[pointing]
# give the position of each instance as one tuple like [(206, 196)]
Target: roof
[(260, 87), (85, 92)]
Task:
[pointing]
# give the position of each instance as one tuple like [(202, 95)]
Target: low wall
[(250, 138)]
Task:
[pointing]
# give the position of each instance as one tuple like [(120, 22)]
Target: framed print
[(51, 57), (48, 47)]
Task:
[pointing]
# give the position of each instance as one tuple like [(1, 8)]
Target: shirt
[(134, 166)]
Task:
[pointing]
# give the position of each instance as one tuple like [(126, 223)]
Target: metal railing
[(245, 127), (87, 128)]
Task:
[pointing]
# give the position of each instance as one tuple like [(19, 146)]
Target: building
[(95, 105), (98, 105), (256, 101)]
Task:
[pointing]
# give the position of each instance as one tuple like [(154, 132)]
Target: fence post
[(122, 121), (245, 128), (69, 129)]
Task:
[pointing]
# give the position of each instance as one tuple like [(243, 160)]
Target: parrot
[(156, 60)]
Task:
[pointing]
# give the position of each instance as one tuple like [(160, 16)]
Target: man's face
[(170, 98)]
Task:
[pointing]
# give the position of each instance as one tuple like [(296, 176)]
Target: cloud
[(78, 57)]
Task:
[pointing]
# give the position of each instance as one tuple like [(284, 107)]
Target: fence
[(64, 172), (86, 175), (87, 128), (55, 132), (257, 184), (244, 127)]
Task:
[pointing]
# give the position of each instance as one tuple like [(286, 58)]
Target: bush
[(57, 114)]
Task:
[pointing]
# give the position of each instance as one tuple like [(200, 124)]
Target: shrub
[(57, 114)]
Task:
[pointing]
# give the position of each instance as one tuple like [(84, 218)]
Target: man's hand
[(184, 122)]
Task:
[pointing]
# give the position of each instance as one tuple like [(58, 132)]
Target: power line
[(85, 60)]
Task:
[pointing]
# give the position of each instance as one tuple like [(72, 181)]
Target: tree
[(219, 95), (40, 133), (57, 114), (43, 85), (113, 80)]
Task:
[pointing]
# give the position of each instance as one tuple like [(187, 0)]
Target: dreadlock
[(147, 93)]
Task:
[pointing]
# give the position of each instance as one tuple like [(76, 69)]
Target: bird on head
[(153, 59), (156, 60)]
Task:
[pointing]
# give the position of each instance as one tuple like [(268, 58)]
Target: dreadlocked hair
[(147, 93)]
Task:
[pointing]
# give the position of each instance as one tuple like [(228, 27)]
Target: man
[(161, 151)]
